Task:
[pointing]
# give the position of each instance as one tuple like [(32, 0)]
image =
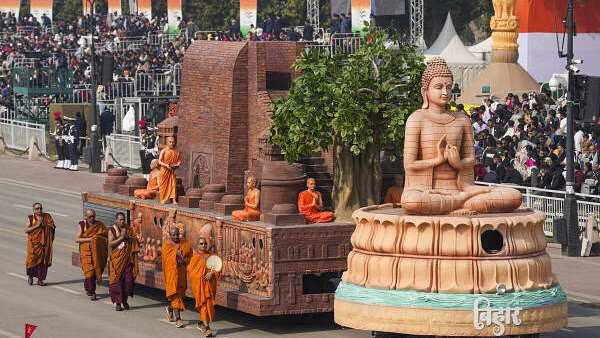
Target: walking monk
[(152, 188), (310, 203), (40, 230), (124, 249), (251, 211), (204, 286), (176, 255), (169, 162), (92, 237)]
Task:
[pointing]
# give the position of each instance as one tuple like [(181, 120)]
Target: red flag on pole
[(29, 328)]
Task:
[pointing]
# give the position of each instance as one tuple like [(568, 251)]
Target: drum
[(214, 263)]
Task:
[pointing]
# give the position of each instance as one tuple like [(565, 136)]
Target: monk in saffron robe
[(394, 193), (152, 188), (310, 202), (124, 249), (92, 237), (176, 255), (204, 286), (40, 231), (251, 210), (169, 162)]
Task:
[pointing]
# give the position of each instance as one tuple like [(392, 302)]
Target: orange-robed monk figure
[(176, 255), (40, 231), (439, 156), (92, 237), (204, 286), (152, 188), (124, 249), (251, 210), (310, 203), (169, 162)]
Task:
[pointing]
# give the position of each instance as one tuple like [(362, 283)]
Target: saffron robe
[(312, 213), (93, 255), (204, 291), (148, 193), (176, 275), (248, 214), (39, 242), (167, 179), (125, 252)]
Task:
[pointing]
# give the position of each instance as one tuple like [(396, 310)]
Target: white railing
[(116, 90), (125, 44), (82, 95), (156, 84), (125, 150), (18, 133), (24, 62), (551, 202)]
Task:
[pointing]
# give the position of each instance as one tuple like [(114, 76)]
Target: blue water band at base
[(459, 301)]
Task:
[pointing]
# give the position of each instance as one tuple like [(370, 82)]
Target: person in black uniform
[(72, 140), (148, 149), (59, 130)]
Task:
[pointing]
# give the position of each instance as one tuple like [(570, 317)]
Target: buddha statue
[(439, 156)]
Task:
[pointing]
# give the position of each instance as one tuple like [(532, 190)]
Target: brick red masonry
[(223, 105)]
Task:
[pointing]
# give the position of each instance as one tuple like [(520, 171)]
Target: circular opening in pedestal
[(492, 241)]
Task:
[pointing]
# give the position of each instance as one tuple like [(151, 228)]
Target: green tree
[(358, 104)]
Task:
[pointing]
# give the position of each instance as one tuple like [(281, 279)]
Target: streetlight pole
[(573, 246), (95, 153)]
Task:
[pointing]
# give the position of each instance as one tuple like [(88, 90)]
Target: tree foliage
[(358, 104), (364, 99)]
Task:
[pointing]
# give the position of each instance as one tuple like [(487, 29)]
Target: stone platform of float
[(267, 269)]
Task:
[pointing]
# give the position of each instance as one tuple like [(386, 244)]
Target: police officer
[(59, 129), (72, 141), (148, 147)]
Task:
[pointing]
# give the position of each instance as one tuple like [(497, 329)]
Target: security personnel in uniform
[(72, 141), (59, 130)]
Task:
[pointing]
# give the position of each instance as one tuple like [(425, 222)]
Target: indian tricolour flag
[(11, 6), (173, 11), (114, 6), (537, 39), (39, 7), (247, 15), (361, 12), (145, 7)]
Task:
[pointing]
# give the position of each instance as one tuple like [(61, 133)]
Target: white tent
[(482, 50), (463, 64)]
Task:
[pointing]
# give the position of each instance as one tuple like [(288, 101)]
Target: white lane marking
[(54, 286), (8, 334), (17, 275), (567, 330), (65, 289), (39, 187), (51, 213)]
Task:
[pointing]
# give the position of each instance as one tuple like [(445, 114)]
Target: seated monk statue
[(251, 210), (310, 203), (439, 156), (152, 188), (394, 193)]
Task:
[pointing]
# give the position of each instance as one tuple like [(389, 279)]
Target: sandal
[(118, 307), (30, 280), (179, 323), (201, 327), (93, 296), (41, 283), (126, 305), (170, 316)]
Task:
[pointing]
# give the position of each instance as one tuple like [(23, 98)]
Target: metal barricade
[(155, 84), (125, 150), (551, 202), (18, 133), (345, 43), (125, 44), (153, 39), (24, 62), (82, 95), (116, 90)]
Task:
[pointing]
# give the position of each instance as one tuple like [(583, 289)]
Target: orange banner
[(39, 7), (145, 7), (11, 6), (173, 12), (114, 6), (247, 15)]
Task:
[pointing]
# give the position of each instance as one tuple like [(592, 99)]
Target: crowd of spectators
[(522, 141)]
